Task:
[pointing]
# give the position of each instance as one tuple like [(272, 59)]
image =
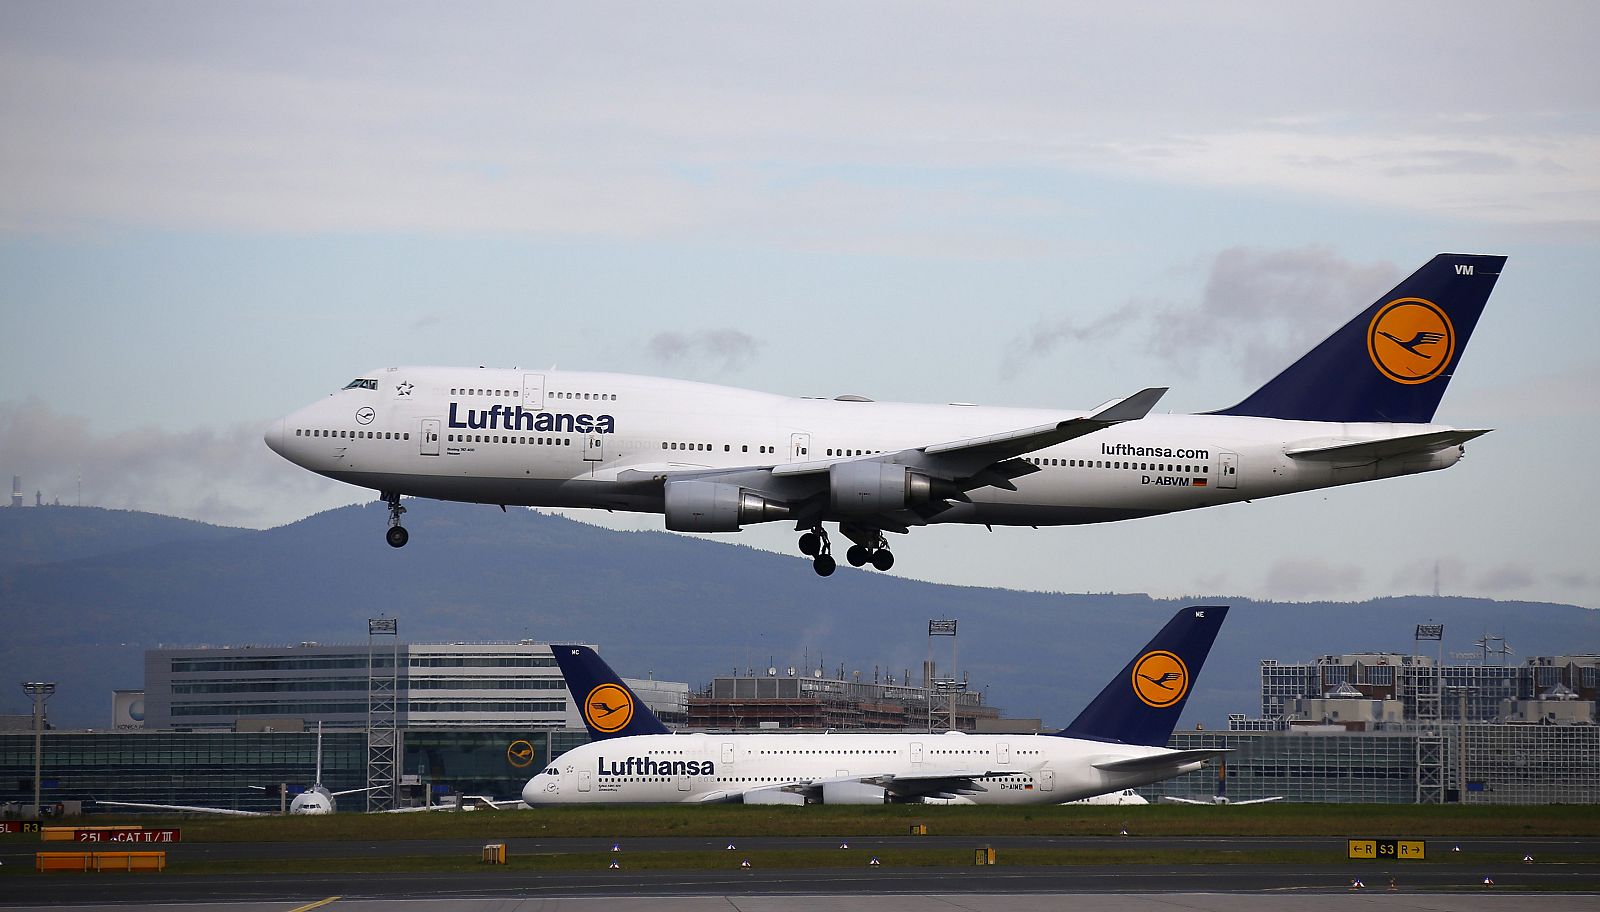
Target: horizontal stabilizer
[(1387, 448), (1170, 759)]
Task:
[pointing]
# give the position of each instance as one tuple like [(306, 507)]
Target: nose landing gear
[(397, 536)]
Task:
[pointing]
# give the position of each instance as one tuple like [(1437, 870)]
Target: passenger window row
[(1120, 464), (508, 438), (703, 447), (566, 395), (352, 435)]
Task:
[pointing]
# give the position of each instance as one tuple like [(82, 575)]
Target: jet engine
[(877, 487), (711, 506)]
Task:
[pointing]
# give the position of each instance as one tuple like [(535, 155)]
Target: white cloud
[(225, 476)]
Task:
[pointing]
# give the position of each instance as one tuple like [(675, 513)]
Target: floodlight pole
[(40, 691)]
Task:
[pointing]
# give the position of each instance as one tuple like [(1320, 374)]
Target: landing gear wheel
[(882, 559), (824, 564), (811, 544), (397, 536), (858, 556)]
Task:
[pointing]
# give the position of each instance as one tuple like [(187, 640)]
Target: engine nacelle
[(878, 487), (711, 506), (853, 793)]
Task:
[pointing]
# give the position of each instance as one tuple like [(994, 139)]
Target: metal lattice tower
[(383, 715), (1424, 687)]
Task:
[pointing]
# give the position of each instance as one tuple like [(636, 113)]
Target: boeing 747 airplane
[(1357, 407), (1118, 742)]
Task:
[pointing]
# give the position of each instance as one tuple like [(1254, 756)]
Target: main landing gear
[(397, 536), (814, 544), (869, 548)]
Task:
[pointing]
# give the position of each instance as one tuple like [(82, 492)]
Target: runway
[(1562, 864)]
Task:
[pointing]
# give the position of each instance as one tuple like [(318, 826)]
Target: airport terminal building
[(515, 685), (227, 726), (1398, 728)]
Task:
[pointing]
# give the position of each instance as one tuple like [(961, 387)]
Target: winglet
[(1132, 408), (609, 707), (1142, 703)]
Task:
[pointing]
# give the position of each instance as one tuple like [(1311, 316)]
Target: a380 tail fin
[(1141, 705), (610, 709), (1394, 360)]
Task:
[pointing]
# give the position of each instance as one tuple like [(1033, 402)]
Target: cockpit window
[(361, 384)]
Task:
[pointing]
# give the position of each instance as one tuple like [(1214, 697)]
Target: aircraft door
[(916, 752), (683, 782), (1002, 752), (533, 392), (585, 780), (1227, 470), (1047, 780), (594, 446), (727, 754), (799, 447), (430, 437)]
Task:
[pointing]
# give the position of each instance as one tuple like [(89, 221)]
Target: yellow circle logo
[(608, 708), (1160, 679), (1411, 340), (519, 754)]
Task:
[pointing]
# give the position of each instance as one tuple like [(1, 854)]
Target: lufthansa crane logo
[(1411, 340), (1160, 679), (608, 708), (519, 754)]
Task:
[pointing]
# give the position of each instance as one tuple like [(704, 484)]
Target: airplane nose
[(274, 436), (528, 791)]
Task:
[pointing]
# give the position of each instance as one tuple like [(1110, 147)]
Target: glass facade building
[(243, 770), (458, 684)]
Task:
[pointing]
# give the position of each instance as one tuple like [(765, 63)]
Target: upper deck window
[(360, 383)]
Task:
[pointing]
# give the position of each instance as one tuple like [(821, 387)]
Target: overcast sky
[(211, 214)]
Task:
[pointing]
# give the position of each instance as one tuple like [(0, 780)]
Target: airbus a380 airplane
[(1118, 742), (1357, 407)]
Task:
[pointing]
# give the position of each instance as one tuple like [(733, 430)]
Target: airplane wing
[(185, 808), (1256, 800), (959, 465), (1387, 448), (370, 788), (969, 455), (949, 784), (1171, 800)]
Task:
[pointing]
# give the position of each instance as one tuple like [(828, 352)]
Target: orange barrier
[(61, 861), (130, 861), (100, 861), (70, 833)]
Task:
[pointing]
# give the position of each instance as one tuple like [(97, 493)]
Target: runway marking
[(316, 905)]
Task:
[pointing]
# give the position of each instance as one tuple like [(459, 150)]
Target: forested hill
[(83, 592)]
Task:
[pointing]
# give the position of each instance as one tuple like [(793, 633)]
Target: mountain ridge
[(674, 606)]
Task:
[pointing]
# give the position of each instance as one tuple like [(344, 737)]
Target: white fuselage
[(1011, 769), (562, 439)]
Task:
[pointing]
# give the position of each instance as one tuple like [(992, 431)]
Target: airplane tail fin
[(1142, 703), (1394, 360), (609, 707)]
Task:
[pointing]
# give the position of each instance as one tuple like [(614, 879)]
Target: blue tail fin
[(1141, 705), (1393, 361), (610, 709)]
